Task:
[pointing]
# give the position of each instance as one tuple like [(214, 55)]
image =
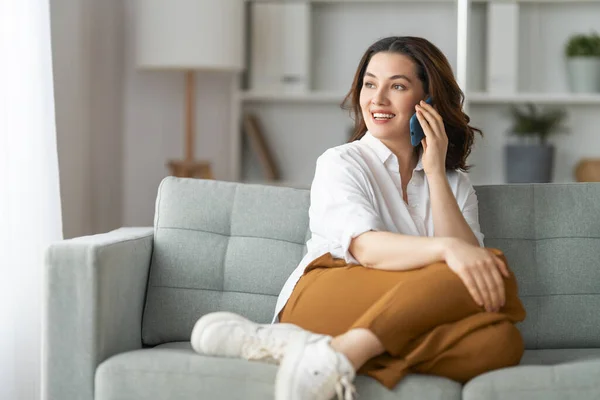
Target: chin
[(383, 132)]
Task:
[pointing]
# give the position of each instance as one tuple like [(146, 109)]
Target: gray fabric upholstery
[(228, 246), (543, 375), (94, 295), (174, 370), (550, 234), (220, 246)]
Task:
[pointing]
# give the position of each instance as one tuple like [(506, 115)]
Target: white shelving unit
[(300, 125), (538, 98), (472, 98)]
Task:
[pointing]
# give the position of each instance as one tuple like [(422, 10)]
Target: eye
[(399, 87), (369, 85)]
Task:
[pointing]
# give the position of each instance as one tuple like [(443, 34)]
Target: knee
[(505, 346)]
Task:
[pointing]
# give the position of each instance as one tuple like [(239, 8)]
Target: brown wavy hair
[(435, 73)]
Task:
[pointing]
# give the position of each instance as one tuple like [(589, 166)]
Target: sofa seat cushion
[(543, 374), (175, 371)]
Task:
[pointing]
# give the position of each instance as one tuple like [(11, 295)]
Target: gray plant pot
[(584, 74), (529, 163)]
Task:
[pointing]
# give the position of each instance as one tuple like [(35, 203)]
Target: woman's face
[(390, 91)]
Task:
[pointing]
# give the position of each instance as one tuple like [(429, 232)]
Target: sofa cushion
[(220, 246), (174, 370), (559, 374), (550, 234)]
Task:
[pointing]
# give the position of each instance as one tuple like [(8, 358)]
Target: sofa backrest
[(230, 246), (550, 234), (220, 246)]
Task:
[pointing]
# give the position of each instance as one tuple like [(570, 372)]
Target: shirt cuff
[(353, 231)]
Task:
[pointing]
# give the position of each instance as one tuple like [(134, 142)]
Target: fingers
[(433, 118), (485, 292), (494, 284), (502, 267), (427, 129), (432, 111), (500, 287), (472, 287)]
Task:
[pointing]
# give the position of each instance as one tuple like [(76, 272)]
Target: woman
[(395, 279)]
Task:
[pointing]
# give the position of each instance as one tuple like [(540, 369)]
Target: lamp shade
[(190, 34)]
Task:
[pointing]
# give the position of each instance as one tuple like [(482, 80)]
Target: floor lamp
[(190, 35)]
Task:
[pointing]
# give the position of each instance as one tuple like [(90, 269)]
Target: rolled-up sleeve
[(341, 208), (470, 208)]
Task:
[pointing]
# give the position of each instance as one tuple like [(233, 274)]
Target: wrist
[(445, 245), (437, 178)]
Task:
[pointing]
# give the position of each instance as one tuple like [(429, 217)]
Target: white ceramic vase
[(584, 74)]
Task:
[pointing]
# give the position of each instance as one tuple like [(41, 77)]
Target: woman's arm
[(479, 269), (448, 220), (397, 252)]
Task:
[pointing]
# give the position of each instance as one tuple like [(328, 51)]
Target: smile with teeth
[(383, 116)]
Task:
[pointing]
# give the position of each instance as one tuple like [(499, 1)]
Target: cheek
[(364, 106), (408, 108)]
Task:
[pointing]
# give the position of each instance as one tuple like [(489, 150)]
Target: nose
[(380, 97)]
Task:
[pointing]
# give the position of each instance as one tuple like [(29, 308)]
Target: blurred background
[(263, 98)]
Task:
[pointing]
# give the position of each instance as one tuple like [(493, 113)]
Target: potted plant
[(531, 160), (583, 62)]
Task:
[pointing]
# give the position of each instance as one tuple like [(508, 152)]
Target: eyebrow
[(391, 77)]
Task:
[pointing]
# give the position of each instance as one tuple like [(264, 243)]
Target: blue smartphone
[(416, 131)]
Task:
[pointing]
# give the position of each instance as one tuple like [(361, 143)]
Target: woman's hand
[(480, 270), (435, 143)]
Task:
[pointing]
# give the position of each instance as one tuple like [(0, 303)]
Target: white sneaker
[(312, 370), (224, 334)]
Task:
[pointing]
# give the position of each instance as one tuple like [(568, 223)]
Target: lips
[(382, 115)]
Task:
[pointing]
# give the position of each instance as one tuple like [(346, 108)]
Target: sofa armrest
[(94, 294)]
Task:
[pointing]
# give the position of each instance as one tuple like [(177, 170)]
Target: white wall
[(87, 45), (106, 113), (71, 65)]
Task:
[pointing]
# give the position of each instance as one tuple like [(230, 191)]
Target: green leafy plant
[(531, 121), (582, 45)]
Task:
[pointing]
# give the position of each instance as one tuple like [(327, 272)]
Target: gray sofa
[(119, 307)]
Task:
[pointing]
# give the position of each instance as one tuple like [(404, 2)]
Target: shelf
[(420, 1), (361, 1), (538, 98), (311, 97), (473, 98)]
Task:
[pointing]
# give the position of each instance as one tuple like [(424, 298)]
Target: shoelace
[(264, 349), (344, 389)]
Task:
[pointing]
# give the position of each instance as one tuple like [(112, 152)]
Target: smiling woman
[(420, 69), (395, 279)]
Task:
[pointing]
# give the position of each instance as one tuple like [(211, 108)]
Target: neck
[(407, 155)]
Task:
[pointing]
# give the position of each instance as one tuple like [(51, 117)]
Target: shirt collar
[(383, 152)]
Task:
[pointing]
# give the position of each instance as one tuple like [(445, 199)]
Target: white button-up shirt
[(356, 189)]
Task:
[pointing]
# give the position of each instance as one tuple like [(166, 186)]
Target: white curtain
[(30, 216)]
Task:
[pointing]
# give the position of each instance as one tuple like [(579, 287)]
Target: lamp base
[(190, 169)]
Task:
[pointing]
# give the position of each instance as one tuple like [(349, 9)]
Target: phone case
[(416, 131)]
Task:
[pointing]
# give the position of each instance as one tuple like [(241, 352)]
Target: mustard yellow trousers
[(425, 318)]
